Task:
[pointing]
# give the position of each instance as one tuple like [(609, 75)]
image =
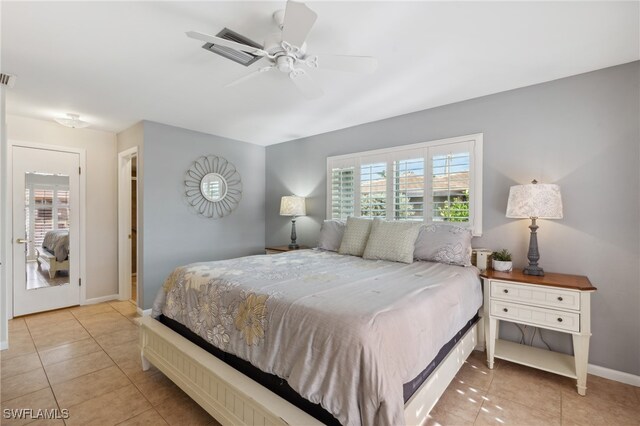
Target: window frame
[(424, 150)]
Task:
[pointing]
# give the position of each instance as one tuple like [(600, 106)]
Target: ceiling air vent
[(7, 79), (243, 58)]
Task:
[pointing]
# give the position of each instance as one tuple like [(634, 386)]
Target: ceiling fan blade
[(298, 20), (227, 43), (249, 76), (309, 88), (361, 64)]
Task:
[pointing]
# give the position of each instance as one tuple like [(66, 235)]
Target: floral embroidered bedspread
[(344, 332)]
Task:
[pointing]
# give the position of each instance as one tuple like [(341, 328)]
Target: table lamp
[(291, 205), (534, 201)]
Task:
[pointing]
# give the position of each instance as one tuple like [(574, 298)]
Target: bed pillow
[(355, 236), (394, 241), (331, 233), (444, 243)]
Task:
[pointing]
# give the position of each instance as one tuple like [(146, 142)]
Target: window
[(47, 208), (438, 181), (342, 192), (373, 190)]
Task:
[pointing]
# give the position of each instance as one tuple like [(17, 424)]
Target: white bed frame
[(51, 261), (234, 399)]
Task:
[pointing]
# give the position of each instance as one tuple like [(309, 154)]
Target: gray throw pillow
[(355, 236), (444, 243), (394, 241), (331, 234)]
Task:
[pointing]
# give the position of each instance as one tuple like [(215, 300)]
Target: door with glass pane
[(46, 240)]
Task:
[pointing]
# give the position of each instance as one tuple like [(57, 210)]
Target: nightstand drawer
[(537, 295), (546, 318)]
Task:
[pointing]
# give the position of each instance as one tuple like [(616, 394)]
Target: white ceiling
[(116, 63)]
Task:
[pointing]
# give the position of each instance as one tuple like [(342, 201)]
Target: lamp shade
[(535, 200), (291, 205)]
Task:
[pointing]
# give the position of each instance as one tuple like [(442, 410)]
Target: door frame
[(124, 223), (82, 153)]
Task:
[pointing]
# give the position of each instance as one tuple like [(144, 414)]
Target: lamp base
[(534, 254), (533, 270), (293, 245)]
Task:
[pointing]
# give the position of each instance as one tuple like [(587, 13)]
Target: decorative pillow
[(355, 236), (394, 241), (331, 234), (445, 244)]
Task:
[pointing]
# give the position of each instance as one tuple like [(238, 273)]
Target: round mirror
[(213, 187)]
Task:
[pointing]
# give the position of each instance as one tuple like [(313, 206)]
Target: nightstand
[(554, 302), (281, 249)]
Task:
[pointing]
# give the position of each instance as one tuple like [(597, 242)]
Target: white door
[(46, 225)]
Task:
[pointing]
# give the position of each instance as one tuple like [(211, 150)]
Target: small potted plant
[(502, 261)]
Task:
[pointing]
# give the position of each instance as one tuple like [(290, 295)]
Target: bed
[(54, 251), (346, 334)]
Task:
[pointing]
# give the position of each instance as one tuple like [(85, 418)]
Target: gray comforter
[(56, 242), (343, 331)]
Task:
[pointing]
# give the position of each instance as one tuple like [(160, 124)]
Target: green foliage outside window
[(456, 210)]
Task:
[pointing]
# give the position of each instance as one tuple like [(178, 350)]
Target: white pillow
[(355, 236), (394, 241), (331, 233), (444, 243)]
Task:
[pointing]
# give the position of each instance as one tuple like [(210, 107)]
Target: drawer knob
[(559, 319), (559, 298), (505, 309), (505, 290)]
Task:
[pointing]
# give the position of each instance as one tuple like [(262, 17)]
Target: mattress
[(281, 388), (344, 332), (56, 243)]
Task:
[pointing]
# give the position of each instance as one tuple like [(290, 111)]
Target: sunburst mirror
[(213, 186)]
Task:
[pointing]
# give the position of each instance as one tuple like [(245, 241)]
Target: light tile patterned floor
[(86, 360)]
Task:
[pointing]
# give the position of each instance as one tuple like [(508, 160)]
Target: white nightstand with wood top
[(557, 302), (282, 249)]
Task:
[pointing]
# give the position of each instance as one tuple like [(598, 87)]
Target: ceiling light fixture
[(73, 121)]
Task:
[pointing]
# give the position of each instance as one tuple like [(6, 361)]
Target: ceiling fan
[(286, 51)]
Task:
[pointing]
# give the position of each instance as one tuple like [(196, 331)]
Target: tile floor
[(86, 360), (38, 277)]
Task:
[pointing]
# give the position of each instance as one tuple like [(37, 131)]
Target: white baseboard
[(144, 313), (4, 345), (101, 299), (618, 376)]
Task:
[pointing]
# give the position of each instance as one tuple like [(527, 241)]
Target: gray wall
[(581, 132), (173, 233)]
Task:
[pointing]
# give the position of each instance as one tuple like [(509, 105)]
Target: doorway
[(134, 228), (46, 229), (128, 225)]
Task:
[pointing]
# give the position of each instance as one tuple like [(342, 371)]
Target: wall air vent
[(243, 58), (8, 79)]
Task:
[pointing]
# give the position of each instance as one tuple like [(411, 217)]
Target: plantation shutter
[(47, 208), (62, 208), (342, 192), (450, 183), (408, 189), (43, 213), (373, 189), (436, 181)]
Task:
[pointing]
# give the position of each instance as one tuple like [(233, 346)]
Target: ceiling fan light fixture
[(73, 121)]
